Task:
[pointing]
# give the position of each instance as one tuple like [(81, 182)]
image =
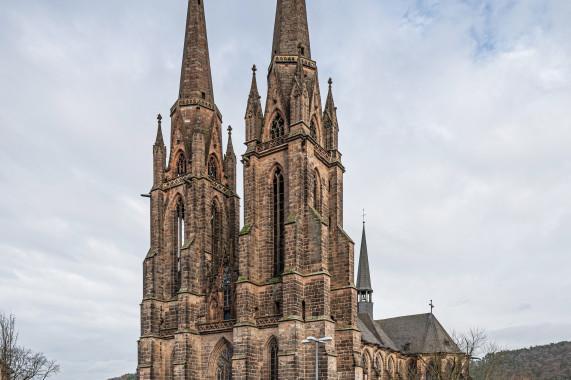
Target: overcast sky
[(455, 132)]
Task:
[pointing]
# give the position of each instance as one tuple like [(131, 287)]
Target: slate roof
[(417, 334), (372, 333), (363, 273)]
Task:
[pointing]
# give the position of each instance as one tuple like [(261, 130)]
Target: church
[(229, 300)]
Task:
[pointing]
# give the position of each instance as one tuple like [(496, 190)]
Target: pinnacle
[(254, 94), (230, 147), (330, 108), (159, 140)]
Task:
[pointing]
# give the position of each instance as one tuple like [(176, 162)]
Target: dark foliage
[(551, 362)]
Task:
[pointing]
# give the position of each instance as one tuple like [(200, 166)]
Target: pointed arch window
[(179, 239), (278, 127), (181, 165), (213, 168), (274, 365), (366, 367), (278, 222), (316, 191), (215, 230), (313, 130), (431, 371), (224, 365), (227, 292), (412, 369)]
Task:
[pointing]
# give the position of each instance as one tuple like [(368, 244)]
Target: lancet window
[(431, 372), (179, 238), (224, 365), (316, 191), (227, 280), (213, 168), (215, 230), (412, 369), (278, 222), (278, 127), (274, 367), (312, 130), (181, 165)]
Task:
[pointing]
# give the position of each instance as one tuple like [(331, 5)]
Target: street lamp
[(310, 340)]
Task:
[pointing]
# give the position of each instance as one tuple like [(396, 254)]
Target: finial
[(229, 129), (330, 81), (364, 215), (431, 306), (159, 118), (254, 69), (299, 49)]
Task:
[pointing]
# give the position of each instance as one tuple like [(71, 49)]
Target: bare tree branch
[(19, 363)]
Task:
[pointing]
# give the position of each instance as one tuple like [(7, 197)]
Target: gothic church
[(222, 302)]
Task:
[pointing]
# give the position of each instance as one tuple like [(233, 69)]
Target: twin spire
[(196, 77), (290, 29), (290, 33)]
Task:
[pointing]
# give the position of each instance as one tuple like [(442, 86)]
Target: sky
[(455, 131)]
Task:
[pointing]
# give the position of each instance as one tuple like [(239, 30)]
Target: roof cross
[(431, 306)]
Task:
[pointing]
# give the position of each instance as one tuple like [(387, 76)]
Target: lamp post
[(310, 340)]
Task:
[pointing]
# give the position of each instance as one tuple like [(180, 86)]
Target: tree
[(465, 363), (19, 363)]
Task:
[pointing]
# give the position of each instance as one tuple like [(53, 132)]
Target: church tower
[(221, 303), (191, 267), (295, 261)]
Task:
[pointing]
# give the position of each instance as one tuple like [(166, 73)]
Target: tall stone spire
[(290, 29), (196, 78), (364, 288)]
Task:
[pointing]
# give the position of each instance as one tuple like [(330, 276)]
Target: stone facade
[(225, 303)]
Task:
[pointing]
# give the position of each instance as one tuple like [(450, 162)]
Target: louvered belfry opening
[(278, 222)]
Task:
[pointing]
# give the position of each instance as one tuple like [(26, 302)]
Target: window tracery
[(278, 222), (274, 367), (224, 365), (312, 130), (213, 168), (181, 165), (227, 292), (278, 127)]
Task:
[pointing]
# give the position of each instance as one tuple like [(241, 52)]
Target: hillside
[(126, 377), (551, 362)]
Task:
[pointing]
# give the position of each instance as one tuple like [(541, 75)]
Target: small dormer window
[(407, 346), (302, 51), (204, 96)]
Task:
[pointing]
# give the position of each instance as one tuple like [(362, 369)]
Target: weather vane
[(364, 215)]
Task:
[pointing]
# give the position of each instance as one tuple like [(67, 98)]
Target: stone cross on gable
[(431, 306)]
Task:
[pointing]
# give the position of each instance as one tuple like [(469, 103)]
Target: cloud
[(454, 131)]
